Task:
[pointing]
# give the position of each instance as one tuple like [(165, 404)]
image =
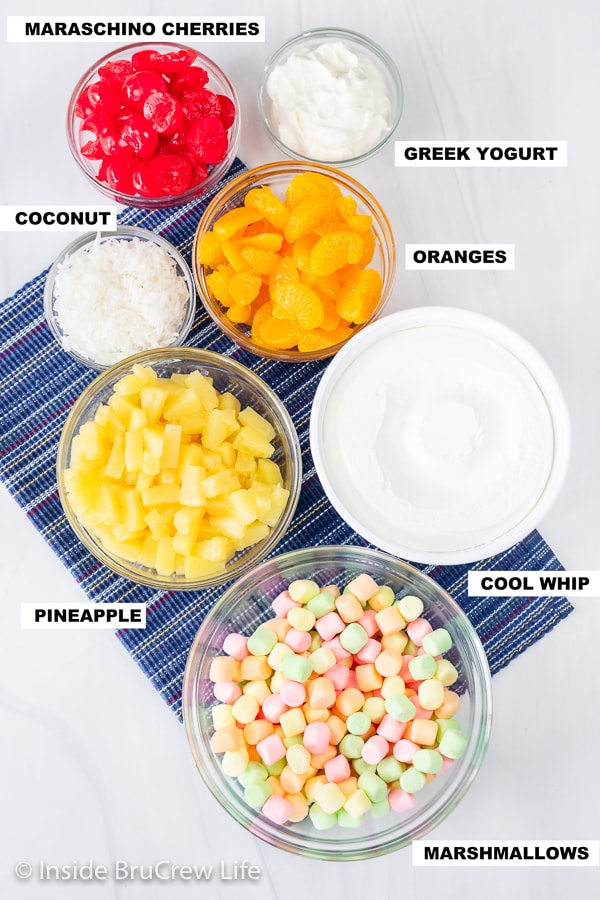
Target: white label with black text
[(532, 583), (96, 29), (460, 256), (58, 218), (505, 853), (456, 154), (83, 615)]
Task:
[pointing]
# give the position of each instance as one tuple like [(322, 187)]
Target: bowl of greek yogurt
[(330, 95), (440, 435)]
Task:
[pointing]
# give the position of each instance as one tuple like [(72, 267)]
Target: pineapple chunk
[(160, 494), (228, 400), (152, 399), (254, 533), (243, 503), (192, 491), (116, 460), (134, 511), (171, 445), (249, 416), (91, 441), (165, 556), (250, 440), (134, 450), (204, 390), (268, 472), (221, 423)]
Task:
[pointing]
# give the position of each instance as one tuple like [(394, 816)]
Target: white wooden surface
[(92, 764)]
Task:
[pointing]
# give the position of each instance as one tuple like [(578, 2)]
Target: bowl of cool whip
[(330, 95), (440, 435)]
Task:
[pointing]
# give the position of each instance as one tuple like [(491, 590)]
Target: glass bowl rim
[(285, 430), (267, 831), (125, 231), (168, 200), (388, 66), (247, 179)]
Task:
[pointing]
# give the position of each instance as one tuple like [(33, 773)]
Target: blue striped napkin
[(38, 385)]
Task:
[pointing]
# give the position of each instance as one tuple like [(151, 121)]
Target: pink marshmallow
[(335, 645), (375, 749), (299, 641), (417, 629), (368, 622), (400, 801), (420, 713), (330, 625), (227, 691), (339, 675), (236, 645), (369, 652), (446, 764), (352, 679), (282, 604), (271, 749), (293, 693), (277, 809), (391, 729), (272, 708), (404, 750), (316, 737), (337, 769)]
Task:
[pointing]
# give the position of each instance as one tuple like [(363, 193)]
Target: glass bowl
[(313, 97), (130, 559), (85, 242), (277, 176), (78, 136), (245, 605)]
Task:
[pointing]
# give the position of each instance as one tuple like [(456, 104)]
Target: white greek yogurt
[(434, 439), (329, 103)]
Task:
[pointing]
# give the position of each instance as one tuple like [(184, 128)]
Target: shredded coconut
[(119, 296)]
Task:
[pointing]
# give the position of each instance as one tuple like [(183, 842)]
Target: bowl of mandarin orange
[(291, 259)]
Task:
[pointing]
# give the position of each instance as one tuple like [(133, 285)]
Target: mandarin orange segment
[(233, 255), (297, 302), (331, 318), (244, 287), (235, 220), (359, 296), (269, 205), (305, 216), (361, 223), (311, 185), (301, 250), (346, 206), (265, 240), (261, 261), (285, 271), (218, 283), (261, 314), (335, 250), (318, 339), (280, 334), (210, 252), (239, 313)]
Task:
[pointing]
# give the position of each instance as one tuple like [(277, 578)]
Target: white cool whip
[(438, 437), (329, 103)]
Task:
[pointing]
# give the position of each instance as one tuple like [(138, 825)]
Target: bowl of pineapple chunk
[(179, 468)]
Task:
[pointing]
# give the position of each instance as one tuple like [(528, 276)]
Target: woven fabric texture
[(38, 385)]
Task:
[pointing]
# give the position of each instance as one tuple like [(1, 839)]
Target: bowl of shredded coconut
[(112, 294), (330, 95)]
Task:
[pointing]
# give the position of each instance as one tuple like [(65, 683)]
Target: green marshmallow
[(297, 668), (428, 761), (360, 766), (253, 772), (446, 672), (390, 769), (422, 667), (453, 744), (278, 767), (443, 725), (345, 820), (320, 819), (321, 604), (437, 641), (383, 597), (412, 780), (353, 638), (262, 641), (380, 809), (316, 641), (374, 787), (358, 723), (399, 707), (351, 746), (257, 793)]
